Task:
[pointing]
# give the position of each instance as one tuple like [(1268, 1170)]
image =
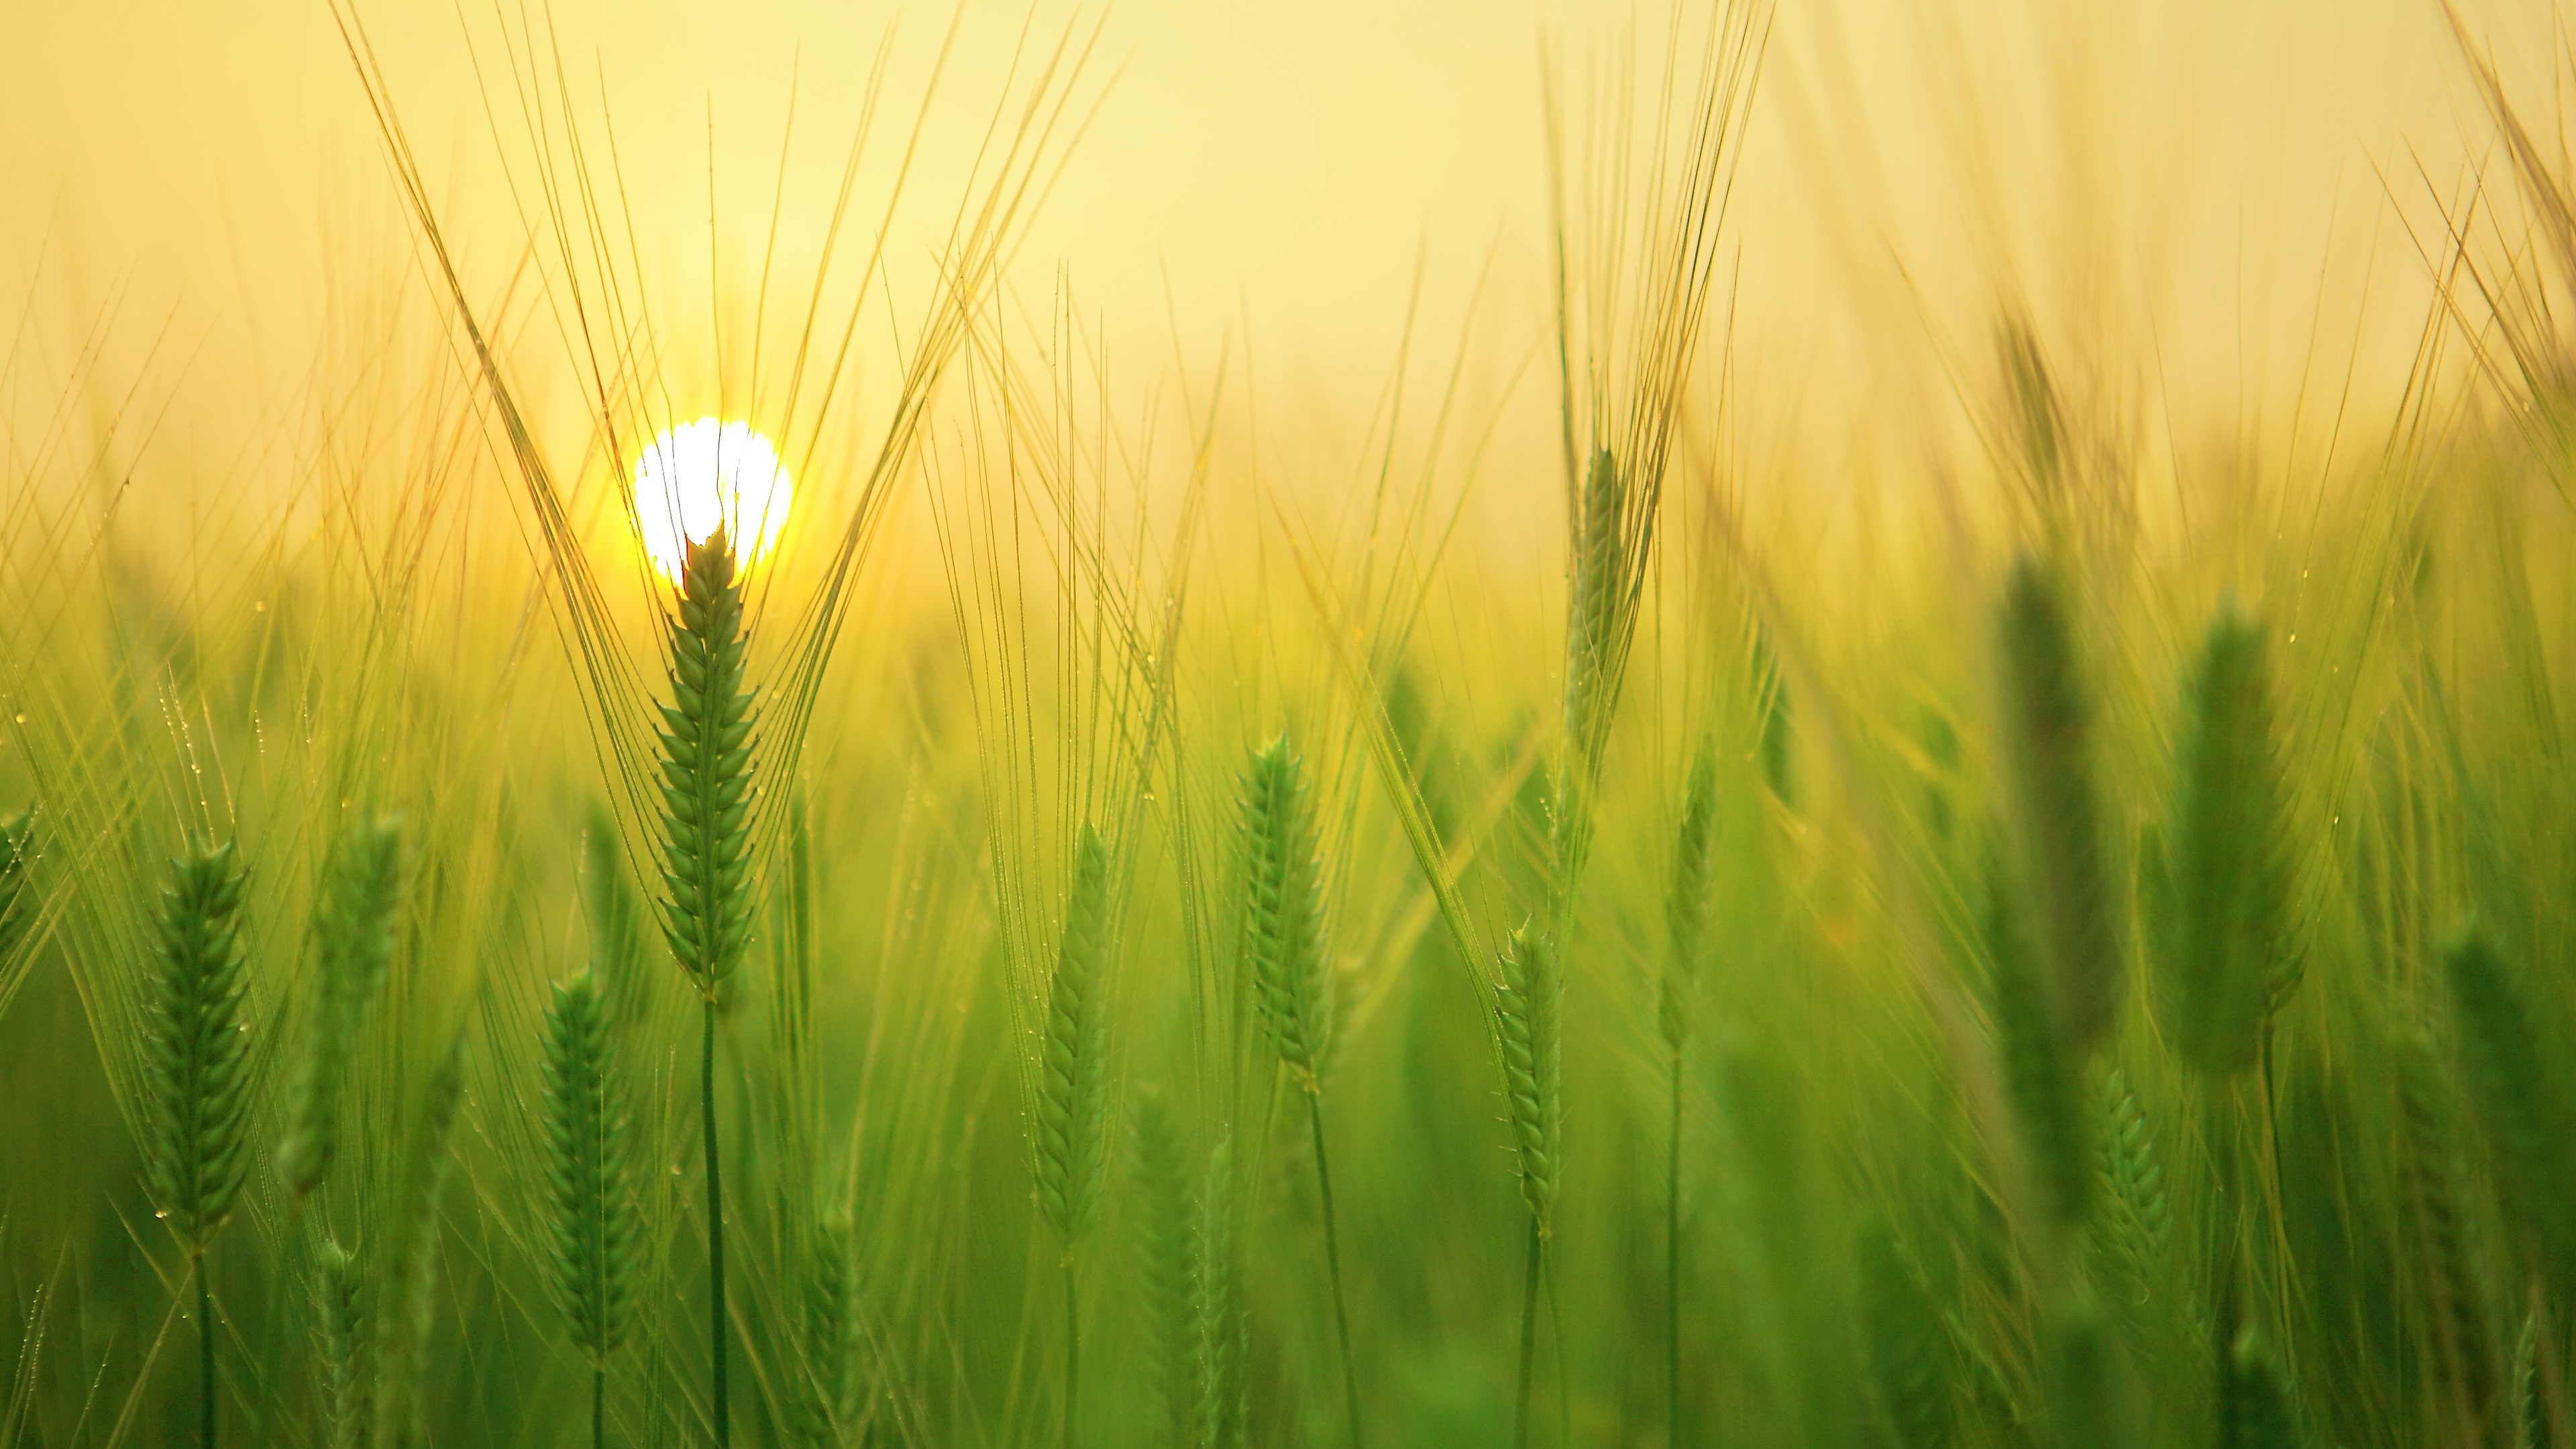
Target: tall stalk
[(1529, 1012), (1686, 926), (196, 1066), (1292, 983), (706, 854)]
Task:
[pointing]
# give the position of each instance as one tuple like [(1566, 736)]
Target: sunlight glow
[(700, 474)]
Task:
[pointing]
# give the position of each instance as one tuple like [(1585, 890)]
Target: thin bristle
[(354, 934), (2229, 890), (18, 853), (197, 1048), (1529, 1010), (1073, 1083), (1284, 908)]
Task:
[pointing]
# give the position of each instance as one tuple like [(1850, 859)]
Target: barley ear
[(589, 1170), (402, 1359), (1686, 904), (1073, 1083), (706, 773), (1284, 904), (2042, 1076), (2255, 1408), (1529, 1011), (2048, 747), (354, 931), (1219, 1328), (2229, 882), (1595, 598), (2431, 1177), (1910, 1362), (831, 1331), (18, 852), (1163, 1265), (340, 1331), (196, 1061), (2521, 1094)]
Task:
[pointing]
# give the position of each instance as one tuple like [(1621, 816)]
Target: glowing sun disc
[(701, 474)]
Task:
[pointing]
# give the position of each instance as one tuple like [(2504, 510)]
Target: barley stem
[(1072, 1348), (1529, 1338), (1333, 1267), (715, 1229), (1673, 1265), (205, 1355)]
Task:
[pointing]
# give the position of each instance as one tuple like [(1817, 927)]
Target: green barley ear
[(340, 1329), (2048, 746), (17, 878), (2519, 1091), (1909, 1351), (2432, 1180), (831, 1330), (2041, 1075), (1595, 598), (588, 1170), (1778, 726), (354, 931), (402, 1362), (1686, 906), (616, 919), (2530, 1393), (1529, 1011), (706, 773), (1285, 909), (196, 1063), (1163, 1266), (2229, 879), (2255, 1409), (1219, 1328), (2132, 1234), (1073, 1087)]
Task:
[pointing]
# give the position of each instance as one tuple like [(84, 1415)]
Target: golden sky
[(2189, 186)]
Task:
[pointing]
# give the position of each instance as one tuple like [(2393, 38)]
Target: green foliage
[(2229, 872), (1284, 911), (354, 931), (706, 773), (588, 1170), (1529, 1014), (196, 1060), (1073, 1081)]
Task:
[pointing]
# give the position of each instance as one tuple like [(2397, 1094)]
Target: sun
[(701, 474)]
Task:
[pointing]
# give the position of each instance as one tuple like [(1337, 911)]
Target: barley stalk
[(196, 1070), (588, 1177), (706, 906), (354, 931), (1073, 1084), (1528, 1011), (1686, 926)]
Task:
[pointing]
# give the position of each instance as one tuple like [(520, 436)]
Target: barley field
[(1703, 842)]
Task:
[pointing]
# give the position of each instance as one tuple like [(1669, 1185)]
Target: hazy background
[(2194, 199)]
